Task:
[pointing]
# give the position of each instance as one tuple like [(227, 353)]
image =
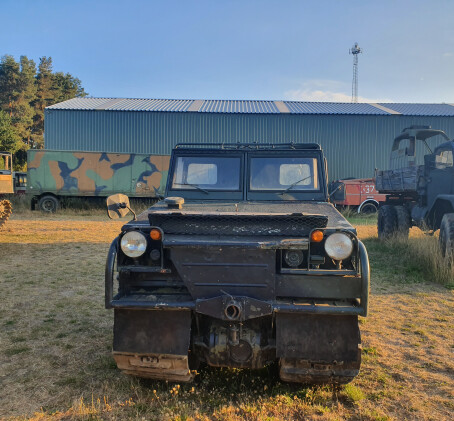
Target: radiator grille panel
[(242, 225)]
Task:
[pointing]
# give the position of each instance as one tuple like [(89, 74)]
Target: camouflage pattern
[(69, 173)]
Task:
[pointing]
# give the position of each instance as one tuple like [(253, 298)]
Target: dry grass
[(55, 341)]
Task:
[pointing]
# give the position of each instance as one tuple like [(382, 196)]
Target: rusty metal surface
[(155, 366)]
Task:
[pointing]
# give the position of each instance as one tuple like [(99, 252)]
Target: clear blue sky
[(241, 49)]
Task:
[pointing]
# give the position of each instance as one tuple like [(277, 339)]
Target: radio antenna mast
[(355, 50)]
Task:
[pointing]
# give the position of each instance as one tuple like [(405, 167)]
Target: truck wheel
[(368, 208), (446, 238), (387, 221), (403, 220), (48, 204)]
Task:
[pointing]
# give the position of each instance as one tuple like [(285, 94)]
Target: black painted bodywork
[(222, 265)]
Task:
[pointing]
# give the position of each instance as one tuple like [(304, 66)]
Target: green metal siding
[(354, 144)]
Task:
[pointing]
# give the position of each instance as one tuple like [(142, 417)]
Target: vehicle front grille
[(244, 225)]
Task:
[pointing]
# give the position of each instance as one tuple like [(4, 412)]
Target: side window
[(444, 159)]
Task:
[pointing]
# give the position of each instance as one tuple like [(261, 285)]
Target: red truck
[(357, 193)]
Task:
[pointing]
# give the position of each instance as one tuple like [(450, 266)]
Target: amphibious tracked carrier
[(244, 263)]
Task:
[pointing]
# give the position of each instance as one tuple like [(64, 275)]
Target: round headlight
[(133, 244), (338, 246)]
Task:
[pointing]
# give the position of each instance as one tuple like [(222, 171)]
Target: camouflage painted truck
[(54, 175), (243, 264)]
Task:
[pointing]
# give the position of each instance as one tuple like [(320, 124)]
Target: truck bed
[(399, 180)]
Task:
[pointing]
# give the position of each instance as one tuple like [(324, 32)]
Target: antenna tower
[(355, 50)]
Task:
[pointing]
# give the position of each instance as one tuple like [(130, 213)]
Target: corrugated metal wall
[(354, 144)]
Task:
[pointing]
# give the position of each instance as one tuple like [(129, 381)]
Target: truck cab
[(243, 264), (419, 192)]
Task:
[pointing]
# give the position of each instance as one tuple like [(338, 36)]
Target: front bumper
[(326, 294)]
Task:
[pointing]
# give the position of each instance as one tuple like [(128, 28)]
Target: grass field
[(55, 339)]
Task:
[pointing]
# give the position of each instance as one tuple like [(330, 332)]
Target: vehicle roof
[(420, 133), (247, 146)]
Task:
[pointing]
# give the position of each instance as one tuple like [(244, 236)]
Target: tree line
[(25, 90)]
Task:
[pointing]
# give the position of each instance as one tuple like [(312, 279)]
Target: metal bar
[(365, 278), (109, 273), (314, 309), (145, 269), (183, 305)]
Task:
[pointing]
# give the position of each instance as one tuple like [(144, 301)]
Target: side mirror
[(118, 206)]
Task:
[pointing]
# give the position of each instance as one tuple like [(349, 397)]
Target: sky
[(245, 49)]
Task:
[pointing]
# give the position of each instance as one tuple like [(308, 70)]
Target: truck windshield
[(284, 173), (207, 173)]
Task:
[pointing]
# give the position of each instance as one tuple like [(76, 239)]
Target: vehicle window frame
[(216, 194), (293, 194)]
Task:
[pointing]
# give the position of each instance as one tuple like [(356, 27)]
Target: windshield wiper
[(294, 184), (195, 186)]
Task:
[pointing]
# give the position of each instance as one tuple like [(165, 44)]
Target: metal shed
[(356, 137)]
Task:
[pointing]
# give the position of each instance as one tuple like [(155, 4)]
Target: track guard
[(318, 348), (153, 343)]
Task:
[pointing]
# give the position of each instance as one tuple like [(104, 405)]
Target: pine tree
[(9, 80), (23, 112), (9, 140), (24, 94), (44, 96)]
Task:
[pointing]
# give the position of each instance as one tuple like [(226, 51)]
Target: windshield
[(284, 173), (207, 173)]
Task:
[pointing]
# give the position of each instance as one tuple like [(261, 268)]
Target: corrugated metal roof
[(431, 110), (171, 105), (254, 107), (80, 104), (124, 104), (243, 107), (297, 107)]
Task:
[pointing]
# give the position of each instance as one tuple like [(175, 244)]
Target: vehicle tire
[(446, 238), (387, 221), (48, 204), (403, 220), (368, 208)]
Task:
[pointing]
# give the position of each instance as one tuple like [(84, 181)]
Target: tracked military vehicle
[(244, 263)]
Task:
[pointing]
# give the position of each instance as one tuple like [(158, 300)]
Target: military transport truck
[(54, 175), (244, 263), (419, 193)]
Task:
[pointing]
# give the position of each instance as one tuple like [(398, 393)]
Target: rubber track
[(6, 209), (313, 372)]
